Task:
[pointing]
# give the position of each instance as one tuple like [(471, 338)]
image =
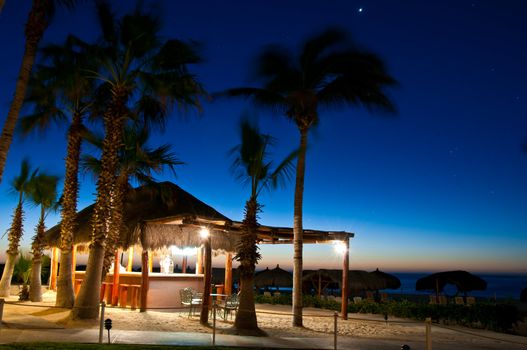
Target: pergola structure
[(166, 215)]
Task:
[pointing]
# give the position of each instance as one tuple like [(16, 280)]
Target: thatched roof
[(276, 277), (358, 280), (158, 215), (387, 280), (463, 280)]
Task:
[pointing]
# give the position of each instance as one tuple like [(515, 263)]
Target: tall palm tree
[(38, 20), (135, 61), (43, 193), (251, 165), (328, 72), (138, 163), (60, 91), (20, 186)]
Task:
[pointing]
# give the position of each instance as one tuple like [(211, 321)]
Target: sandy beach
[(275, 320)]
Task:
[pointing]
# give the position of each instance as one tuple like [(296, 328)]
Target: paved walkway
[(15, 335), (20, 327)]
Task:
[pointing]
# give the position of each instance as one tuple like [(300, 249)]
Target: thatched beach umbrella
[(463, 280), (363, 280), (386, 280), (320, 280), (276, 278)]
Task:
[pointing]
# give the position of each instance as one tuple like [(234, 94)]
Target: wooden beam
[(73, 262), (184, 264), (204, 316), (345, 283), (228, 273), (130, 263), (150, 262), (144, 279), (199, 261), (54, 268), (116, 271)]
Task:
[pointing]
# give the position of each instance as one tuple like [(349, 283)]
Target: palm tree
[(138, 163), (38, 20), (251, 166), (43, 193), (20, 186), (328, 72), (135, 61), (61, 92)]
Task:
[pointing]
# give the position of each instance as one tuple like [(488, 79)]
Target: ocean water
[(501, 286)]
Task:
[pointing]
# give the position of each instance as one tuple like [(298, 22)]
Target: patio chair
[(443, 300), (433, 299), (189, 298), (229, 306), (384, 297), (471, 301), (357, 300), (459, 301), (370, 296)]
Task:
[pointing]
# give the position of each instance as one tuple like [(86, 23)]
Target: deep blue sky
[(441, 185)]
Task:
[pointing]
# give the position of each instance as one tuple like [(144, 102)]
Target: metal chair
[(190, 298), (231, 304)]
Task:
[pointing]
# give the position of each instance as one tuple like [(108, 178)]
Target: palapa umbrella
[(276, 278), (320, 280), (362, 280), (463, 280), (386, 280)]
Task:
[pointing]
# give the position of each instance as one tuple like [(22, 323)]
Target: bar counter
[(163, 288)]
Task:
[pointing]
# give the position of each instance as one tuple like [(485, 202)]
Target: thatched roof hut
[(159, 215)]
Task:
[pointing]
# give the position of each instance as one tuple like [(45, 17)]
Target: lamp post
[(205, 238)]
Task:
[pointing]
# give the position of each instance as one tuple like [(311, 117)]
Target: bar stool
[(106, 292), (123, 294), (135, 294), (77, 286)]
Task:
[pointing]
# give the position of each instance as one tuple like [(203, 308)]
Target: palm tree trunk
[(205, 306), (248, 256), (7, 275), (298, 232), (35, 27), (35, 289), (65, 293), (87, 303), (14, 236), (112, 241)]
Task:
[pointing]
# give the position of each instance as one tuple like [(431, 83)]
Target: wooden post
[(228, 273), (130, 263), (150, 262), (54, 268), (184, 264), (144, 279), (73, 262), (204, 316), (345, 281), (116, 271), (199, 260)]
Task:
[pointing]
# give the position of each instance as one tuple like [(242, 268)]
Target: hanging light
[(204, 233), (340, 247)]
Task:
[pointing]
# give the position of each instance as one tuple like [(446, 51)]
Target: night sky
[(441, 185)]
